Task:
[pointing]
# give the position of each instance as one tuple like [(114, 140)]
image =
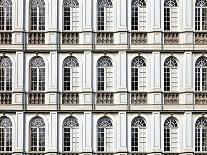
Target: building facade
[(103, 77)]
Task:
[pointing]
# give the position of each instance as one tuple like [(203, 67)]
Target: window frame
[(6, 10), (198, 24)]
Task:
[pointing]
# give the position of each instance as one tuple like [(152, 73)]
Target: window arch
[(37, 134), (201, 74), (201, 15), (5, 134), (105, 74), (70, 74), (170, 15), (138, 74), (37, 15), (105, 14), (5, 15), (200, 134), (170, 134), (71, 134), (37, 74), (70, 14), (138, 134), (105, 134), (138, 15), (170, 74), (5, 74)]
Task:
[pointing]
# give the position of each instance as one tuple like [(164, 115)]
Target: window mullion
[(38, 16), (4, 78), (5, 134), (71, 18), (105, 72), (105, 25), (38, 79), (5, 18), (201, 86)]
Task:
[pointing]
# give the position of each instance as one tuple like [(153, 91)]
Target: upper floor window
[(37, 74), (5, 134), (138, 74), (105, 134), (105, 74), (170, 134), (170, 15), (5, 15), (201, 15), (170, 74), (5, 74), (70, 74), (201, 134), (138, 134), (71, 134), (105, 14), (201, 74), (71, 14), (37, 15), (138, 15), (37, 134)]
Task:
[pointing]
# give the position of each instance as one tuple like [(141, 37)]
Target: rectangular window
[(100, 79), (101, 139), (167, 19), (100, 18)]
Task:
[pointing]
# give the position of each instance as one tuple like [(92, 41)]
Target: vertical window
[(37, 15), (105, 14), (5, 134), (105, 134), (138, 74), (170, 15), (138, 134), (5, 15), (5, 74), (138, 15), (70, 74), (105, 74), (71, 14), (37, 74), (201, 135), (170, 74), (170, 135), (201, 74), (201, 15), (37, 134), (71, 134)]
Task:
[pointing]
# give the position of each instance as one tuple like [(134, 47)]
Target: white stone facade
[(103, 77)]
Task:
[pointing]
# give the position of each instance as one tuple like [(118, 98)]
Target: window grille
[(200, 15), (5, 15)]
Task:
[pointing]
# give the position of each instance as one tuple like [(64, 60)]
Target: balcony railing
[(138, 98), (5, 38), (170, 153), (105, 38), (36, 98), (138, 154), (105, 98), (200, 38), (5, 98), (200, 98), (36, 38), (171, 38), (138, 38), (171, 98), (70, 38), (70, 98)]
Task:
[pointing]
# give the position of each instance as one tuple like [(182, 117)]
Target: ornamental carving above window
[(37, 122), (105, 3), (70, 122), (140, 3), (138, 121), (70, 62), (201, 122), (104, 62), (170, 3), (37, 62), (201, 3), (5, 122), (37, 3), (5, 62), (104, 122), (201, 62), (138, 62), (71, 3), (171, 122), (171, 62), (5, 3)]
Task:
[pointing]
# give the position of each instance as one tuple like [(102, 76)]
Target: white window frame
[(200, 5), (7, 11)]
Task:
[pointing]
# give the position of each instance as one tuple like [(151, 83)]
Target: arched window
[(5, 15), (201, 15), (170, 135), (105, 74), (105, 134), (70, 74), (71, 14), (138, 134), (138, 15), (37, 74), (201, 134), (37, 15), (5, 134), (5, 74), (170, 74), (170, 15), (138, 74), (201, 74), (37, 134), (70, 134), (105, 14)]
